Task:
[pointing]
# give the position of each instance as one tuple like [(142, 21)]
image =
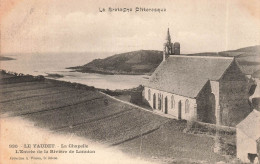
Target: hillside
[(136, 62), (2, 58), (247, 57), (146, 61)]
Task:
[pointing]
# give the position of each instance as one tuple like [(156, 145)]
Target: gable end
[(233, 73)]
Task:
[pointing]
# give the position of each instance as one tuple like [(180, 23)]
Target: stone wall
[(234, 96), (172, 105), (206, 110), (234, 104)]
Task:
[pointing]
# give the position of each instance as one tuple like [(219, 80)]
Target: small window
[(187, 106), (149, 95), (154, 101), (159, 101), (172, 102)]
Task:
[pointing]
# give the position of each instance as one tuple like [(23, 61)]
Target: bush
[(189, 126)]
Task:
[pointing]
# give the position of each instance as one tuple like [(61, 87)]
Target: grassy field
[(170, 144), (92, 115)]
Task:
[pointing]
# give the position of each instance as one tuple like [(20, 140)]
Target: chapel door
[(211, 109), (179, 110)]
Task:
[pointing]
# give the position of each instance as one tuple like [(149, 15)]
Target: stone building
[(203, 88), (248, 137)]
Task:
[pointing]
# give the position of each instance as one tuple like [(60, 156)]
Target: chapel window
[(187, 106), (172, 102)]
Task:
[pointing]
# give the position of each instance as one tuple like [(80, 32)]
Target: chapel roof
[(186, 75)]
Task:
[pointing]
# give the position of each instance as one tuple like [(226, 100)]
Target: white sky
[(78, 26)]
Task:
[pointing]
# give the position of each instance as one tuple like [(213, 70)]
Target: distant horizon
[(114, 53)]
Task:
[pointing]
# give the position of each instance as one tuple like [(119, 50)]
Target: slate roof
[(250, 126), (186, 75)]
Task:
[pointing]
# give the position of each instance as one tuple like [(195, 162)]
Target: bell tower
[(169, 48)]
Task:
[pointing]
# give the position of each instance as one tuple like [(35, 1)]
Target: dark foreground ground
[(70, 108)]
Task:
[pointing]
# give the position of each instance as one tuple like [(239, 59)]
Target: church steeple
[(168, 38), (169, 48)]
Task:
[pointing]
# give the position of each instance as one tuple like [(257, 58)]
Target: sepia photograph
[(129, 82)]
